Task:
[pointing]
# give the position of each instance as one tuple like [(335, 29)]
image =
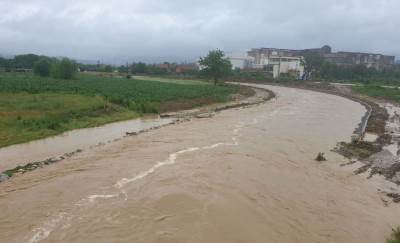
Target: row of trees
[(152, 69), (42, 65), (26, 61), (134, 68), (214, 66), (317, 68), (62, 69)]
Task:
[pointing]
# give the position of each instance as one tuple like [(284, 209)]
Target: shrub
[(65, 69), (42, 68), (395, 236)]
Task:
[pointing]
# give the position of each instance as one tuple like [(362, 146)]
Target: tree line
[(43, 66), (215, 66), (318, 68), (134, 68)]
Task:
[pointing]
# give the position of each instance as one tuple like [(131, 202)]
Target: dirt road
[(245, 175)]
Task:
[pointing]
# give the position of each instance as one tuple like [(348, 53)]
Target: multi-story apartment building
[(377, 61)]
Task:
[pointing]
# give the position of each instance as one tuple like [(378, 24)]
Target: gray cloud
[(95, 29)]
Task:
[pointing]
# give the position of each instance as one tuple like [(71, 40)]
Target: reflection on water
[(38, 150)]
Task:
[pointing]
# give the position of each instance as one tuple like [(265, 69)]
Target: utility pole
[(279, 69)]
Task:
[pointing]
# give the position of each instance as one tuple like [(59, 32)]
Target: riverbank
[(375, 142), (33, 107), (20, 159), (195, 181)]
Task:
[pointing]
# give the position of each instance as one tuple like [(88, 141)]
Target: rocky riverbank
[(379, 155)]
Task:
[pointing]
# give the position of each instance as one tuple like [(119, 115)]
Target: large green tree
[(64, 69), (139, 68), (42, 67), (312, 63), (215, 66), (26, 60)]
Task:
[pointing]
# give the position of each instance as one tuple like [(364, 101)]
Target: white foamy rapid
[(173, 157), (44, 231)]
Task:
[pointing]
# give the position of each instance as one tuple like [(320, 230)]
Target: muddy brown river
[(245, 175)]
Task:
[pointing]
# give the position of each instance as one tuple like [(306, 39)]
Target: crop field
[(172, 80), (116, 90), (33, 107)]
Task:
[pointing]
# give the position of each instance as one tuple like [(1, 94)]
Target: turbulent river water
[(68, 142), (245, 175)]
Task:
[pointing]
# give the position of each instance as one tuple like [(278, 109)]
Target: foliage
[(154, 70), (243, 76), (116, 90), (33, 107), (26, 61), (316, 66), (139, 68), (89, 67), (4, 63), (392, 94), (64, 69), (122, 69), (357, 149), (173, 79), (106, 68), (312, 63), (215, 66), (32, 116), (42, 67), (395, 237)]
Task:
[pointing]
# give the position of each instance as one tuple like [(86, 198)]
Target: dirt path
[(244, 175)]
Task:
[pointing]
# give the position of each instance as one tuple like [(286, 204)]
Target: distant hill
[(8, 56)]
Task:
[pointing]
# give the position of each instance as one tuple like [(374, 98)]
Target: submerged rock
[(320, 157), (395, 197)]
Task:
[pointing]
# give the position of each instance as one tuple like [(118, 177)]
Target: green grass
[(391, 94), (172, 80), (395, 237), (116, 90), (33, 107), (25, 117)]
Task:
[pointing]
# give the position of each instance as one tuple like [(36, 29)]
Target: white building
[(240, 60), (272, 63), (286, 65), (278, 65)]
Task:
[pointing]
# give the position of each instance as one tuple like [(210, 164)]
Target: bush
[(395, 236), (65, 69), (42, 68), (243, 76)]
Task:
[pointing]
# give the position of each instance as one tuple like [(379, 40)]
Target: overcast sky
[(113, 29)]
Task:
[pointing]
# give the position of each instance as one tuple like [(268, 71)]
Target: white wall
[(240, 60), (285, 65)]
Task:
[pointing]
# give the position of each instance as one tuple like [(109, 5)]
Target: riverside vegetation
[(33, 107), (386, 93), (395, 237)]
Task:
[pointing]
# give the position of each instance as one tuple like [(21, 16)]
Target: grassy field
[(390, 94), (171, 80), (32, 107)]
